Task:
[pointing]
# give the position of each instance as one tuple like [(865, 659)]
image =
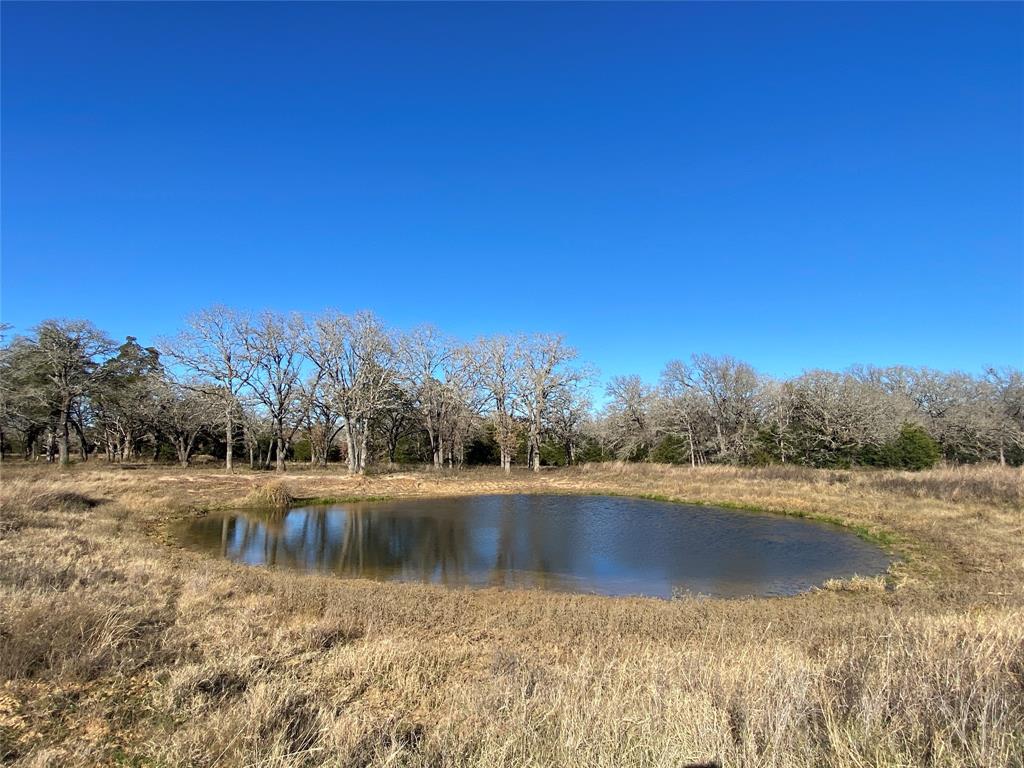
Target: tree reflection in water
[(355, 542), (577, 543)]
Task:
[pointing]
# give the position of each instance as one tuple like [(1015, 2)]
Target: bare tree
[(274, 344), (545, 370), (213, 347), (499, 360), (356, 358), (1006, 386), (464, 398), (628, 416), (322, 421), (383, 388), (838, 415), (256, 432), (777, 404), (569, 410), (425, 355), (681, 411), (730, 387), (183, 413), (396, 422), (442, 381)]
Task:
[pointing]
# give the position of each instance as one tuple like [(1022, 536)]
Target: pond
[(607, 545)]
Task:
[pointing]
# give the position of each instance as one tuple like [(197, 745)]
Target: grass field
[(117, 647)]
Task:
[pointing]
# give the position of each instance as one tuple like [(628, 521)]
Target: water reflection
[(576, 543)]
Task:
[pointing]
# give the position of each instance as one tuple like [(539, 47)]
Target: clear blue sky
[(807, 185)]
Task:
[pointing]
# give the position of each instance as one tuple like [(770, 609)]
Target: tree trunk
[(62, 434), (433, 442), (229, 434), (353, 458), (280, 452), (83, 444), (535, 446), (392, 447), (362, 450), (63, 445)]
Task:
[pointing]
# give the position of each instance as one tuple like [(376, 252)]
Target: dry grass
[(118, 648), (273, 494), (856, 584)]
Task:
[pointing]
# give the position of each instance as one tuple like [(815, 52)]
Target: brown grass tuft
[(856, 584), (274, 494)]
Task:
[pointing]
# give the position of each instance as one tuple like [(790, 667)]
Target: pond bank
[(114, 646)]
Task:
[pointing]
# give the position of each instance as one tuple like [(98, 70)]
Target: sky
[(798, 185)]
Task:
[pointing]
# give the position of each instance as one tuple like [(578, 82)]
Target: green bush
[(671, 450), (591, 452), (913, 448)]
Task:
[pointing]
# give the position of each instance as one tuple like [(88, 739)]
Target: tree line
[(278, 388)]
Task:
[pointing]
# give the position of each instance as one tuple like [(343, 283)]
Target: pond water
[(607, 545)]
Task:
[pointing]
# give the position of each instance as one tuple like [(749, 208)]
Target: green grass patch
[(322, 501)]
